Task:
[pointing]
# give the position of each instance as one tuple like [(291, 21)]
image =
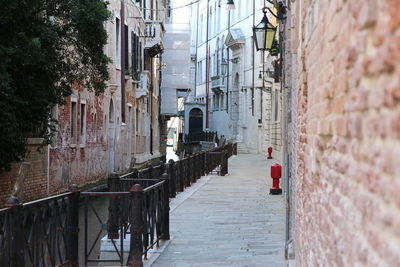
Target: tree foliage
[(46, 47)]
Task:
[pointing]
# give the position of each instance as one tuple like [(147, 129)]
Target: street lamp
[(230, 5), (264, 33)]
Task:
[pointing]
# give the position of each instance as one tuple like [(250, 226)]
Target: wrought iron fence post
[(224, 162), (196, 166), (181, 169), (189, 171), (206, 162), (165, 228), (235, 149), (203, 162), (17, 253), (162, 167), (171, 173), (135, 173), (150, 170), (72, 231), (113, 182), (137, 227), (192, 170)]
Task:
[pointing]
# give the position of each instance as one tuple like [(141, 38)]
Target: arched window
[(217, 62), (222, 48), (195, 120)]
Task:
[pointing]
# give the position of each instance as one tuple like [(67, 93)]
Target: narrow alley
[(229, 221), (151, 132)]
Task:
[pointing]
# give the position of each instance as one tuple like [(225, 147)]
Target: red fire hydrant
[(270, 152), (276, 174)]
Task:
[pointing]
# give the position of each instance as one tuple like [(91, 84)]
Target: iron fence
[(46, 232)]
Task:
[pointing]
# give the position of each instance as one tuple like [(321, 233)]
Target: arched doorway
[(195, 120), (111, 137)]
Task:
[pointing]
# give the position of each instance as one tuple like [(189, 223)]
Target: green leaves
[(45, 48)]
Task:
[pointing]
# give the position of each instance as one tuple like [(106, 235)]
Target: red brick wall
[(80, 163), (35, 184), (348, 145)]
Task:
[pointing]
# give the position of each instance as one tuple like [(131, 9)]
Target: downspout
[(227, 66), (284, 88), (122, 14), (197, 45), (207, 70), (253, 59)]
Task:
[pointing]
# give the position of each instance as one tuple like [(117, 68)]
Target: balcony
[(217, 83), (154, 35)]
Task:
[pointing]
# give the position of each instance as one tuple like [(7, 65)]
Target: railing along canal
[(46, 232)]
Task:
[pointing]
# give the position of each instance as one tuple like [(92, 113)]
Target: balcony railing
[(217, 82), (154, 33)]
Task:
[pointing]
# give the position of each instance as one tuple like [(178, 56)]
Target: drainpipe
[(207, 68), (227, 65), (197, 44), (122, 14), (285, 85), (253, 60)]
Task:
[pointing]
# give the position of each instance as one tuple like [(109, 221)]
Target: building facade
[(111, 132), (238, 98)]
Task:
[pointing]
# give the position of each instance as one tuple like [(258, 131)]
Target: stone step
[(242, 149)]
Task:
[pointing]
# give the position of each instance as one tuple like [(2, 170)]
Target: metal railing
[(46, 232), (202, 136), (38, 233)]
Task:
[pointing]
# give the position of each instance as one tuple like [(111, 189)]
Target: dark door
[(195, 120)]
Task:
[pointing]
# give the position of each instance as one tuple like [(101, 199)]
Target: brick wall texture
[(35, 184), (348, 132)]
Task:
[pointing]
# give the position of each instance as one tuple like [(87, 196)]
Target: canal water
[(97, 227), (171, 154), (97, 217)]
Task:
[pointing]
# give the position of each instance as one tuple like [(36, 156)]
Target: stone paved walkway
[(229, 221)]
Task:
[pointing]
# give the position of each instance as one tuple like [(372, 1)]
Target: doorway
[(195, 120)]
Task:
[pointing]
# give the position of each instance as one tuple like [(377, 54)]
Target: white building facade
[(244, 101)]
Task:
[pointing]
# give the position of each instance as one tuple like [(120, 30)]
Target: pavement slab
[(228, 220)]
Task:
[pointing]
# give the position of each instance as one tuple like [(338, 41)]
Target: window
[(117, 44), (211, 64), (126, 42), (200, 72), (276, 105), (201, 29), (239, 10), (73, 122), (140, 57), (137, 120), (129, 119), (219, 18), (215, 20), (133, 53), (210, 28), (214, 102), (83, 124), (222, 102), (217, 63)]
